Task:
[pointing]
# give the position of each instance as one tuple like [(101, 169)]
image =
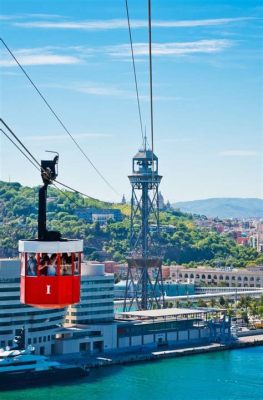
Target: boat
[(23, 367)]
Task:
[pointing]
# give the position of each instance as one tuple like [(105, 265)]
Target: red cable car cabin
[(50, 273)]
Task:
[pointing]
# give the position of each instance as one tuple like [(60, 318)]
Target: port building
[(175, 326)]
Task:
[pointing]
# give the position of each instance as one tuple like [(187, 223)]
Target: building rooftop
[(167, 313)]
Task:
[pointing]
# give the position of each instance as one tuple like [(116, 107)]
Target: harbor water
[(227, 375)]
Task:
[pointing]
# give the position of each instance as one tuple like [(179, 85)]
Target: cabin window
[(22, 263), (48, 264), (66, 264), (77, 263), (30, 262)]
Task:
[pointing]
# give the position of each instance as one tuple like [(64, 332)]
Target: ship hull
[(17, 379)]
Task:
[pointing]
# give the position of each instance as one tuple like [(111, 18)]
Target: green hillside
[(181, 241)]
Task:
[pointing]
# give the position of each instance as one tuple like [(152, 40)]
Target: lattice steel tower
[(144, 285)]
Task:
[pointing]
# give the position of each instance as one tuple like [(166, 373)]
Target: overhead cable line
[(21, 151), (78, 192), (19, 141), (150, 67), (134, 69), (38, 166), (65, 194), (58, 118)]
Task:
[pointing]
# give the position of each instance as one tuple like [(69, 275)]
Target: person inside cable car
[(51, 266), (32, 265), (43, 265), (65, 264), (76, 265)]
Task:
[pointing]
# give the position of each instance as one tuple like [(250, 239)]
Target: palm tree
[(213, 302)]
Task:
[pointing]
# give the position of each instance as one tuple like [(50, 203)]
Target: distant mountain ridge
[(224, 207)]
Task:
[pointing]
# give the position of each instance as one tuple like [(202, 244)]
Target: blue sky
[(208, 85)]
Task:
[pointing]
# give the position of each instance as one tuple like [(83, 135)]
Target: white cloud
[(100, 90), (39, 15), (239, 153), (122, 24), (174, 140), (104, 90), (198, 22), (39, 56), (55, 55), (94, 89), (5, 17), (172, 48), (60, 137), (26, 16)]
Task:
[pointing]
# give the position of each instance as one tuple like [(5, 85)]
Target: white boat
[(22, 367)]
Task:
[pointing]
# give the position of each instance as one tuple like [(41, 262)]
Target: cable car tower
[(50, 265), (144, 283)]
